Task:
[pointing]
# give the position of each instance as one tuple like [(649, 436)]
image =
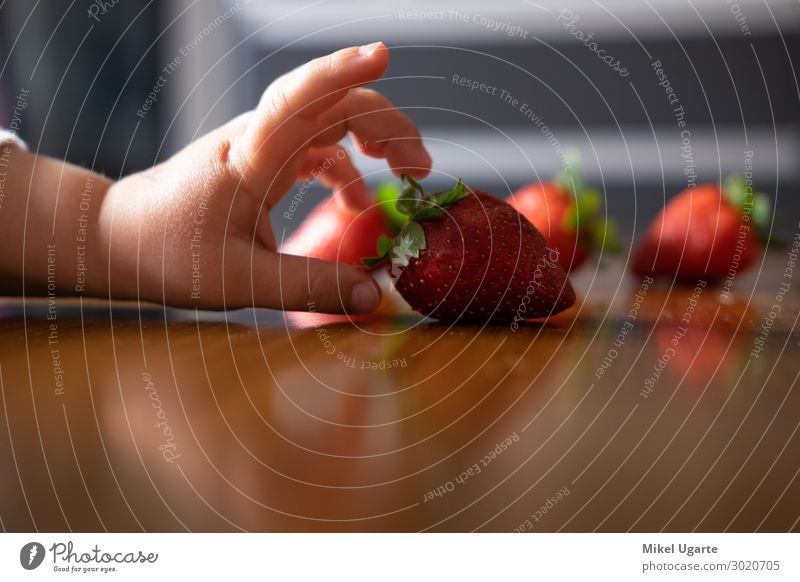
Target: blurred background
[(85, 69)]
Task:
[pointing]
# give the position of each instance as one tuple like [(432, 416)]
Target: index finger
[(286, 119)]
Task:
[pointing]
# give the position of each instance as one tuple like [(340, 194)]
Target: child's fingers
[(287, 117), (334, 167), (382, 131), (302, 284)]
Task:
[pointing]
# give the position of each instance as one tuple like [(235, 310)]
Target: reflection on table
[(639, 409)]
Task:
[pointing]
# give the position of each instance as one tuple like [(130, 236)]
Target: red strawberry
[(567, 214), (704, 233), (335, 233), (467, 255)]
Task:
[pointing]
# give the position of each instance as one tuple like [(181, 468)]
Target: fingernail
[(369, 49), (364, 297)]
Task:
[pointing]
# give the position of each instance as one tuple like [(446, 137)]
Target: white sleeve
[(9, 136)]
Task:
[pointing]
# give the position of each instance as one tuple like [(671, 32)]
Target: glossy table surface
[(641, 409)]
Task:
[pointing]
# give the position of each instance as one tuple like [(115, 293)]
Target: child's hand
[(195, 230)]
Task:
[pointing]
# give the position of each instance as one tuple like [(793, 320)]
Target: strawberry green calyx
[(400, 249), (742, 196), (604, 236), (416, 207), (388, 193), (584, 215)]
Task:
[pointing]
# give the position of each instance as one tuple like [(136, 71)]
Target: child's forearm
[(49, 223), (195, 231)]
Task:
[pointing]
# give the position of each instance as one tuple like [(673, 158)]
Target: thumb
[(296, 283)]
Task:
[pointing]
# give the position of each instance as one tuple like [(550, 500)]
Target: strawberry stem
[(410, 196)]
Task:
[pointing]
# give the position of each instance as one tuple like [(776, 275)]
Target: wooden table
[(612, 417)]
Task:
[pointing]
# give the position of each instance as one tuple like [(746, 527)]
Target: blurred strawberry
[(333, 232), (568, 214), (704, 233)]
